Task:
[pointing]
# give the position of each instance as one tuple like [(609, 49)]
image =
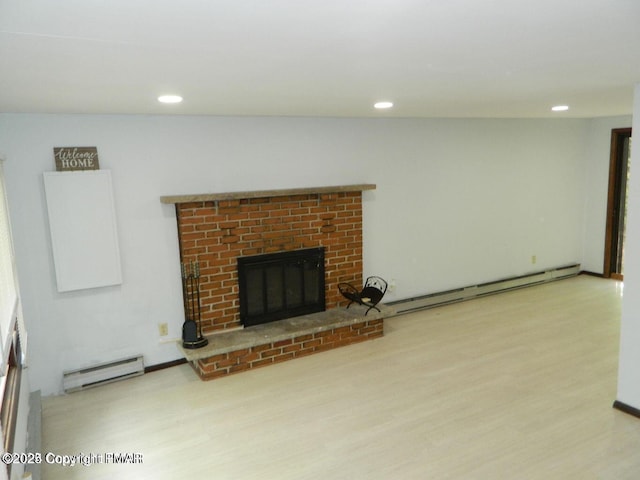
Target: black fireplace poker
[(191, 328)]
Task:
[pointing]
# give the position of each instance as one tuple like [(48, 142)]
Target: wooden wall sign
[(76, 158)]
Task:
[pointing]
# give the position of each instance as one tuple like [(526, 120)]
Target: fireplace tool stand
[(191, 328)]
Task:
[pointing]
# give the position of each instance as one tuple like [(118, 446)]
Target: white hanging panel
[(83, 229)]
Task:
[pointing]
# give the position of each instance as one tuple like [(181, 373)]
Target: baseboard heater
[(467, 293), (102, 374)]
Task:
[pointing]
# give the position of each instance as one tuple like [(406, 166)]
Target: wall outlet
[(163, 329), (533, 259)]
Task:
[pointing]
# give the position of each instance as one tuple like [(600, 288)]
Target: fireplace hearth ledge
[(283, 340), (286, 329)]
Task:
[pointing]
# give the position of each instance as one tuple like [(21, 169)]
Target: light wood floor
[(513, 386)]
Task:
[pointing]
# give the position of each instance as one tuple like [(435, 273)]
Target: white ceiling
[(432, 58)]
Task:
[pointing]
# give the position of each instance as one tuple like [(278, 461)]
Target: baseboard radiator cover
[(103, 373), (474, 291)]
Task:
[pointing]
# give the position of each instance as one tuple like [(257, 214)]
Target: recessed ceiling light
[(560, 108), (170, 99), (383, 105)]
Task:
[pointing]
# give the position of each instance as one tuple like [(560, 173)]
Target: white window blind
[(8, 290)]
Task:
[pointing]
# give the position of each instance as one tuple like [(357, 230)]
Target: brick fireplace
[(217, 229)]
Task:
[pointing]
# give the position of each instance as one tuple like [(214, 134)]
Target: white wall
[(457, 202), (597, 153), (462, 202), (628, 371)]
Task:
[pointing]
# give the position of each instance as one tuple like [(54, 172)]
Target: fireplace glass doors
[(281, 285)]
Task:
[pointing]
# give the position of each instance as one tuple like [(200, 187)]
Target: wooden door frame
[(616, 135)]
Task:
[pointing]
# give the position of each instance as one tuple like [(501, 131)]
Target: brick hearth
[(275, 342)]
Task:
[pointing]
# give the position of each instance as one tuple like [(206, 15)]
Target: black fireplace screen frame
[(281, 285)]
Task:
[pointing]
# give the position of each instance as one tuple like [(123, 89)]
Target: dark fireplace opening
[(281, 285)]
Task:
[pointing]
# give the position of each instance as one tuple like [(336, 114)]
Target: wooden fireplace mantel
[(209, 197)]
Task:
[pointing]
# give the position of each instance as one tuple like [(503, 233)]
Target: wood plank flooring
[(512, 386)]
